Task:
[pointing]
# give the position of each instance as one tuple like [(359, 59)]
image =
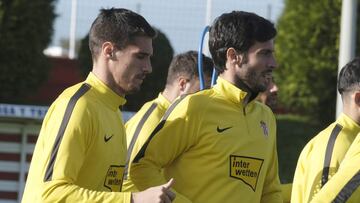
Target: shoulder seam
[(66, 118)]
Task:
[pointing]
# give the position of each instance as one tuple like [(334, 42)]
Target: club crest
[(264, 128)]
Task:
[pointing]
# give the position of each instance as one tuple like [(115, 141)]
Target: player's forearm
[(272, 187), (62, 191), (336, 184), (145, 175)]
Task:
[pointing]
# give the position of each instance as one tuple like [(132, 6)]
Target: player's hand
[(158, 194)]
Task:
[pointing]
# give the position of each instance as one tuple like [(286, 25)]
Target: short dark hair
[(119, 26), (187, 64), (239, 30), (349, 77)]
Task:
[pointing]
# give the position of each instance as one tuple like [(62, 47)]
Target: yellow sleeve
[(133, 122), (164, 145), (344, 185), (69, 159), (298, 187), (64, 191), (272, 191), (286, 192), (331, 190)]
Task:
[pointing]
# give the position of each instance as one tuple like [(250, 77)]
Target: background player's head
[(183, 76), (349, 87), (241, 45), (269, 96), (120, 42)]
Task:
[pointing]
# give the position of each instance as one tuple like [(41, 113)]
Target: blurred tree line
[(25, 31), (307, 48), (307, 51)]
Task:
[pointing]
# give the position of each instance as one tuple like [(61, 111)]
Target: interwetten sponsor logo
[(246, 169), (113, 179)]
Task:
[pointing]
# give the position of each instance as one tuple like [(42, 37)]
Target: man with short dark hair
[(182, 79), (328, 166), (81, 150), (219, 144)]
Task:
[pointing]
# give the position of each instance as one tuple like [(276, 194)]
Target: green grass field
[(293, 132)]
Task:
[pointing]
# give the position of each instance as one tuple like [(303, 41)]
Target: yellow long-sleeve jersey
[(218, 144), (138, 130), (321, 158), (344, 185), (80, 153)]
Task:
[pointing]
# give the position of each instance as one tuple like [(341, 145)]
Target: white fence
[(17, 141)]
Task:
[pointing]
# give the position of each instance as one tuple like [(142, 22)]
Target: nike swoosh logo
[(106, 139), (220, 130)]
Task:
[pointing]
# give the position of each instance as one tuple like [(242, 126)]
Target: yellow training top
[(344, 185), (320, 160), (138, 130), (80, 153), (218, 144)]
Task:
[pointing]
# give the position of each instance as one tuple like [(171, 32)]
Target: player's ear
[(231, 55), (107, 50), (182, 83), (357, 98), (234, 57)]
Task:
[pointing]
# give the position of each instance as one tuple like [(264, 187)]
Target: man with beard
[(81, 150), (219, 144), (269, 96)]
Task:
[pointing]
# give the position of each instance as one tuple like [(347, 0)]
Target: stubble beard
[(133, 89), (254, 81)]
